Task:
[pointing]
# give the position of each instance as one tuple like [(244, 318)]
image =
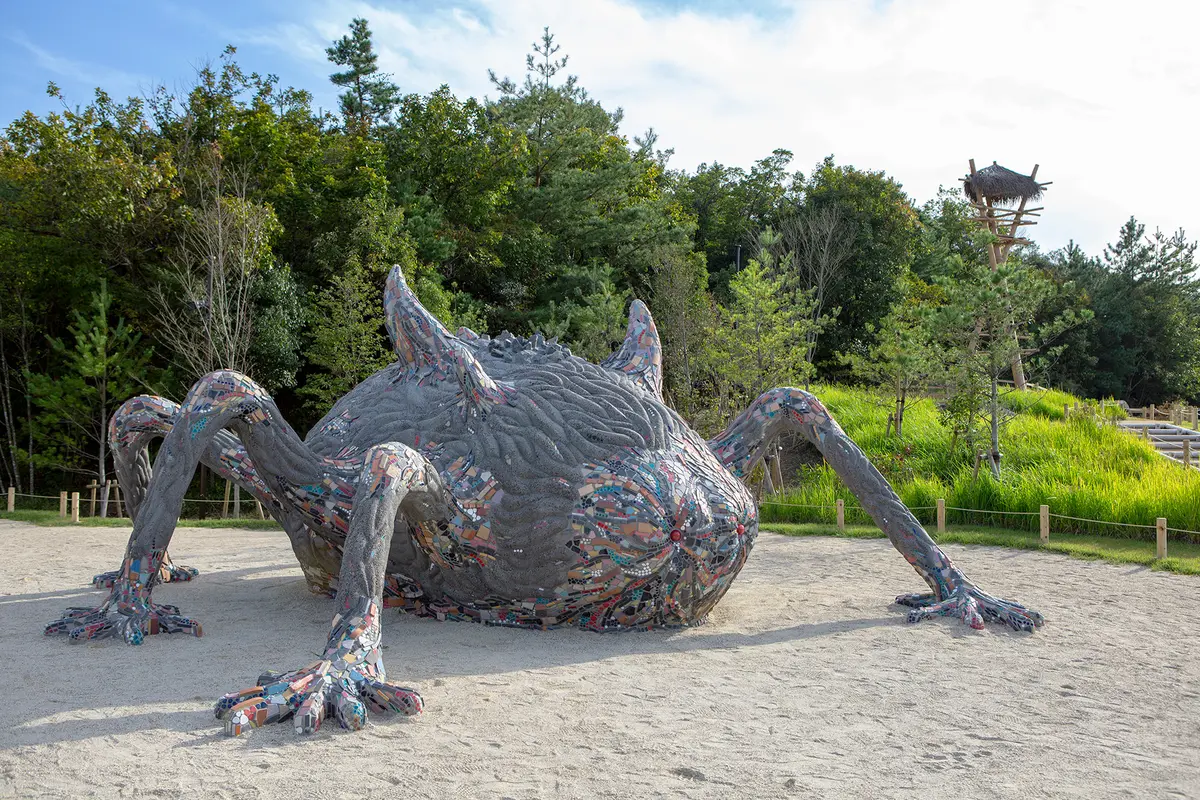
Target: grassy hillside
[(1078, 468)]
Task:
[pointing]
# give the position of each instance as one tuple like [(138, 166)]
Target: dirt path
[(806, 683)]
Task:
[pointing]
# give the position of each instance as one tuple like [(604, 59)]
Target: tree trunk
[(12, 469), (994, 455), (103, 471), (26, 369), (1018, 368)]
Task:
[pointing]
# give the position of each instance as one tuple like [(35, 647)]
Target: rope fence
[(108, 498), (840, 507), (993, 511), (1043, 513), (1103, 521)]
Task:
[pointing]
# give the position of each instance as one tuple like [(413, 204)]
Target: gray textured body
[(564, 417)]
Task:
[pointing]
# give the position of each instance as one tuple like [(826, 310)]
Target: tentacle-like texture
[(141, 420), (131, 430), (351, 674), (744, 443)]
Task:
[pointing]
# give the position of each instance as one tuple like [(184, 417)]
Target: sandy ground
[(806, 683)]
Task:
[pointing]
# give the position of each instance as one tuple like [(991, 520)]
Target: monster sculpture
[(501, 480)]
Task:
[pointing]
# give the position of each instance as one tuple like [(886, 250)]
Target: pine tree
[(345, 334), (683, 311), (100, 369), (370, 95), (903, 356), (762, 338)]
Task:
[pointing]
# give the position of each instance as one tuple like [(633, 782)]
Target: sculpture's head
[(660, 535)]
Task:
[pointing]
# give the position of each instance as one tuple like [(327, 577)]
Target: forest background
[(148, 241)]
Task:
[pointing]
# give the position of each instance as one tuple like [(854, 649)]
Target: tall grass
[(1078, 468)]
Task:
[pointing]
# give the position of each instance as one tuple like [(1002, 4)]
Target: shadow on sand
[(255, 623)]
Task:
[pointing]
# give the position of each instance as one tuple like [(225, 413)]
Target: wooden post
[(12, 498), (1161, 526), (62, 504), (1153, 411), (776, 463), (1187, 453), (75, 507), (941, 515), (1066, 411), (258, 506), (92, 507), (237, 501), (841, 515), (225, 505), (1146, 432), (1194, 416), (1044, 520)]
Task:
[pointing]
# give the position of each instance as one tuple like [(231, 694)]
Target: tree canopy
[(230, 223)]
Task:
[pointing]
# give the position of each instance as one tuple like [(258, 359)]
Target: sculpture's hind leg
[(220, 400), (394, 479), (744, 443), (138, 422), (141, 420)]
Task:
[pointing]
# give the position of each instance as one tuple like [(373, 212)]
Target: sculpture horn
[(640, 355), (431, 351)]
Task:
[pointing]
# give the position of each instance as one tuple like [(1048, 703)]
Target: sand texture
[(805, 683)]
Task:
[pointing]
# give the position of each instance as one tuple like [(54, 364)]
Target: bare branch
[(820, 242), (206, 310)]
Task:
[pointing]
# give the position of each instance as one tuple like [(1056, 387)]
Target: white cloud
[(1101, 94)]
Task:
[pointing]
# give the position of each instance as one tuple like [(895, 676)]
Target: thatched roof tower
[(1000, 185), (989, 190)]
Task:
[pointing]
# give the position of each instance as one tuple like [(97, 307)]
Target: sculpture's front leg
[(128, 613), (350, 675), (743, 444)]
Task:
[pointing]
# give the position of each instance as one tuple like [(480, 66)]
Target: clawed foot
[(311, 695), (168, 572), (343, 684), (128, 611), (973, 607), (133, 622)]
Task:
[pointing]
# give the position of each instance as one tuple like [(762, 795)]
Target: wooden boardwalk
[(1176, 442)]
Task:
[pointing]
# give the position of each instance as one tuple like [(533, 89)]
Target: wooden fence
[(1043, 514), (110, 498)]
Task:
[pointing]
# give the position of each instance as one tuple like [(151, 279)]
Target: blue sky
[(1100, 93), (130, 47)]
